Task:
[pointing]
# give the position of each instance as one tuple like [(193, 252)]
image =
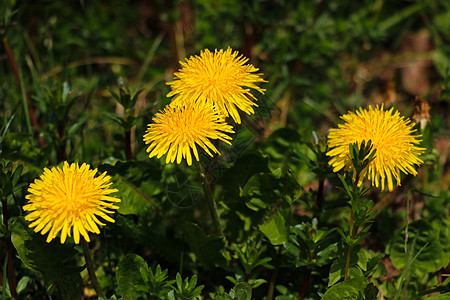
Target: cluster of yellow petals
[(391, 135), (70, 198), (207, 89), (178, 129), (222, 79)]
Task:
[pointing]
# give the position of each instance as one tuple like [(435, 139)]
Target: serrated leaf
[(132, 199), (53, 260), (347, 290), (128, 276), (421, 235)]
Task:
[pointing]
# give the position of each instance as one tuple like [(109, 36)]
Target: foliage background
[(321, 59)]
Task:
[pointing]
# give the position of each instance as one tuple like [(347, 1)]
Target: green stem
[(349, 252), (209, 200), (351, 226), (91, 269)]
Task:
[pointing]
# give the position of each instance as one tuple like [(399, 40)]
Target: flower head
[(177, 129), (221, 78), (391, 136), (68, 198)]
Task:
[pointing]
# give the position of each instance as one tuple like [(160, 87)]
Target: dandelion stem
[(353, 232), (347, 263), (351, 226), (91, 269), (209, 199)]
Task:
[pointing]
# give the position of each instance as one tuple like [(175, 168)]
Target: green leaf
[(276, 228), (136, 182), (243, 291), (21, 146), (292, 248), (192, 282), (347, 189), (53, 260), (179, 281), (206, 248), (420, 235), (128, 276), (133, 201), (370, 292), (442, 226), (347, 290), (248, 164), (337, 269), (23, 283), (16, 175), (445, 296)]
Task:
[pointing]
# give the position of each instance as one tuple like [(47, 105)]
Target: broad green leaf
[(370, 292), (128, 276), (265, 189), (346, 290), (206, 248), (133, 201), (53, 260), (248, 164), (420, 235), (276, 228), (283, 146), (442, 226)]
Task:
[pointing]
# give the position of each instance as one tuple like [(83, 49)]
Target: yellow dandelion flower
[(177, 129), (68, 198), (391, 136), (222, 79)]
